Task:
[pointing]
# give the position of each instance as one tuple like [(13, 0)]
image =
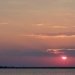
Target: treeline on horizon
[(14, 67)]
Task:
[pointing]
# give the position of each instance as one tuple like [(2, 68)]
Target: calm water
[(37, 72)]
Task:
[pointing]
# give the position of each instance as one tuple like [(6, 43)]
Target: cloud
[(4, 23), (73, 26), (39, 24), (57, 26), (54, 51), (59, 49), (68, 51), (20, 53), (64, 36), (38, 53), (61, 26), (41, 36)]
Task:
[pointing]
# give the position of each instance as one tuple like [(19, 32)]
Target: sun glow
[(64, 57)]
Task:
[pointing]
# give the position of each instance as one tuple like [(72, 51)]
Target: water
[(37, 71)]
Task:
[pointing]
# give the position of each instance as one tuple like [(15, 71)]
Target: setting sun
[(64, 57)]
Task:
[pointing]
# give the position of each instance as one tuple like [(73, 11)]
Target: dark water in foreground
[(37, 71)]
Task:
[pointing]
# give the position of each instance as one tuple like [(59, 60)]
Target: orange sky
[(47, 21), (28, 25), (32, 16)]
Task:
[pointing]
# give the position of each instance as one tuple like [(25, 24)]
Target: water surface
[(37, 71)]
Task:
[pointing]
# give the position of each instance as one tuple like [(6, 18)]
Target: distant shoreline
[(6, 67)]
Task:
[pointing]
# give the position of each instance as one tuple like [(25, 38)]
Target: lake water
[(37, 71)]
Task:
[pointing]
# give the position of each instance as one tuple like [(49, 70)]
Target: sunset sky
[(30, 29)]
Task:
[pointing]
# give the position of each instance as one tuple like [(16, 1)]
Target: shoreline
[(37, 67)]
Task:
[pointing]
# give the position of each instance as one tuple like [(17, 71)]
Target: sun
[(64, 57)]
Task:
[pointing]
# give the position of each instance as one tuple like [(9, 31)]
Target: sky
[(35, 33)]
